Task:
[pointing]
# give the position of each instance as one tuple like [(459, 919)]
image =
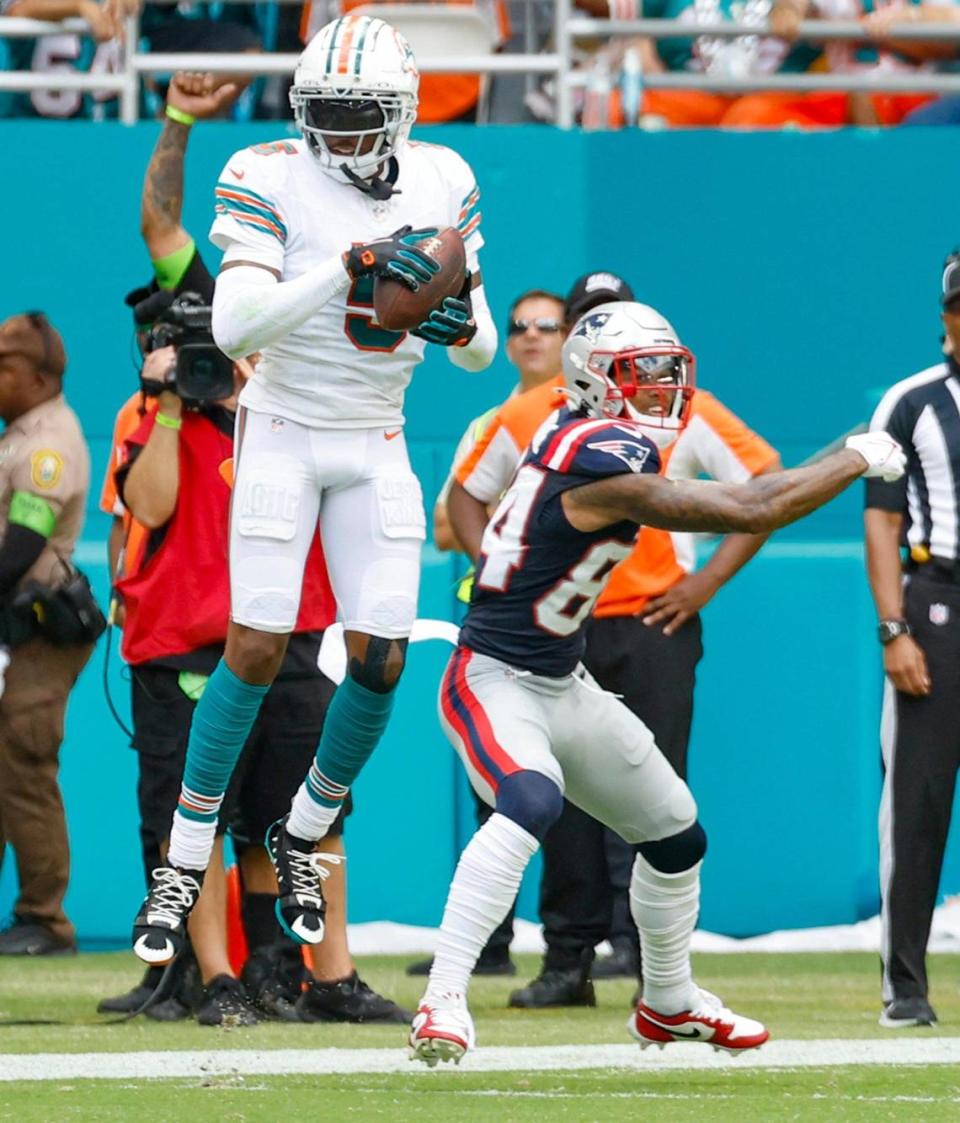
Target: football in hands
[(397, 308)]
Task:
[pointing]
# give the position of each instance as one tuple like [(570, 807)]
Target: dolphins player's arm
[(478, 353), (253, 307), (761, 504)]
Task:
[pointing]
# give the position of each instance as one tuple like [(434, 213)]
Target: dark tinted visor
[(347, 117)]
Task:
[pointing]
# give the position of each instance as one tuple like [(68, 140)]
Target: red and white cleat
[(442, 1029), (709, 1021)]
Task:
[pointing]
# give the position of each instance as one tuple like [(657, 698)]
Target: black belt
[(937, 569)]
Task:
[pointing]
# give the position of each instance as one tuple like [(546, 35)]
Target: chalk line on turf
[(319, 1062)]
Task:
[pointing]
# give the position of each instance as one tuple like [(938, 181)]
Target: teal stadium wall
[(802, 270)]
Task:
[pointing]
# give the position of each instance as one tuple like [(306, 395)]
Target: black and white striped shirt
[(923, 413)]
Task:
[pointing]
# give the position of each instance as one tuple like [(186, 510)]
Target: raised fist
[(884, 456)]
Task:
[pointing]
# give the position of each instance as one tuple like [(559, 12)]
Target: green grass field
[(800, 997)]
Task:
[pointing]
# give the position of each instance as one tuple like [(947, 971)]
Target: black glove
[(452, 324), (396, 257)]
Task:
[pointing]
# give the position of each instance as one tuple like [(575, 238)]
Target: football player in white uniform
[(306, 226), (527, 720)]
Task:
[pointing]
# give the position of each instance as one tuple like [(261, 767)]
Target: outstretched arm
[(762, 504)]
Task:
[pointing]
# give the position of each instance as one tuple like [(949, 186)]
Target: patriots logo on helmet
[(591, 326), (631, 452)]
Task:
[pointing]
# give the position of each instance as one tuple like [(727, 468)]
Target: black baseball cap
[(951, 278), (595, 288)]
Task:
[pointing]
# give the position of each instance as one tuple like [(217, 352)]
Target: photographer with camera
[(48, 622), (176, 483)]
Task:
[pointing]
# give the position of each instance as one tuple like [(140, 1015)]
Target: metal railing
[(558, 62)]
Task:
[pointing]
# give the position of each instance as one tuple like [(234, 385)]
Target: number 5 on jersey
[(360, 328)]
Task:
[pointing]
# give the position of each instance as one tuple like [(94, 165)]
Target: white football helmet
[(625, 357), (356, 83)]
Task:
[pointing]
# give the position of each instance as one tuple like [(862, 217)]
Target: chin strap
[(377, 188)]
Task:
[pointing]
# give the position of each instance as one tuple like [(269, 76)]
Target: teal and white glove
[(452, 324)]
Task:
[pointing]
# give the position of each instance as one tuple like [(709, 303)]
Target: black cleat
[(348, 1000), (902, 1013), (555, 987), (169, 1010), (180, 989), (27, 937), (623, 963), (225, 1004), (273, 979), (159, 928), (135, 998), (300, 871)]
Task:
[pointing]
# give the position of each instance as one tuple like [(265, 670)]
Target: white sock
[(665, 908), (191, 842), (483, 889), (309, 819)]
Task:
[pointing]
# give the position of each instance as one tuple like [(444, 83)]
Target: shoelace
[(712, 1007), (172, 895), (308, 871)]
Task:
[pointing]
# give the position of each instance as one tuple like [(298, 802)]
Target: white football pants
[(602, 757), (359, 484)]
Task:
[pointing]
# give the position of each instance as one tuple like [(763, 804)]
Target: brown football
[(399, 309)]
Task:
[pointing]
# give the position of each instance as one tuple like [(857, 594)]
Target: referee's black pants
[(584, 893), (920, 739)]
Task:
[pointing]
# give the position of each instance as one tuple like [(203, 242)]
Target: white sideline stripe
[(320, 1062)]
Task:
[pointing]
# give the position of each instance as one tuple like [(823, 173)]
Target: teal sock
[(221, 725), (354, 725)]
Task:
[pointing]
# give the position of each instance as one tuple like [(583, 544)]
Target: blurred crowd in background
[(612, 93)]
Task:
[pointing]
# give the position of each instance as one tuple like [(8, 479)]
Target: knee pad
[(531, 800), (677, 853), (375, 671)]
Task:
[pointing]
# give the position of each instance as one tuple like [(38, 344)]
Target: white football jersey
[(277, 207)]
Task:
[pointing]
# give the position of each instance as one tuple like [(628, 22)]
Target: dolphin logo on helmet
[(354, 97), (625, 358)]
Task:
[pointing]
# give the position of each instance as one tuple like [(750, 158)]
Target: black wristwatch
[(888, 630)]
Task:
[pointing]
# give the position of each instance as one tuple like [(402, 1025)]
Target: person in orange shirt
[(643, 643), (126, 537)]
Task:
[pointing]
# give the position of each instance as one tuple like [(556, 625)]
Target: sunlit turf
[(922, 1093), (799, 996)]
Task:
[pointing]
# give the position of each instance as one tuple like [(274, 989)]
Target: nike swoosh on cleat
[(148, 954), (307, 935), (696, 1033)]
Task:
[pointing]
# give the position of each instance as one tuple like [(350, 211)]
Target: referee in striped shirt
[(920, 632)]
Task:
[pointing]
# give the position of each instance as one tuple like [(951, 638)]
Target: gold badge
[(46, 468)]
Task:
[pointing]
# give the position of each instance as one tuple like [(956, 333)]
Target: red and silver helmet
[(625, 357), (357, 79)]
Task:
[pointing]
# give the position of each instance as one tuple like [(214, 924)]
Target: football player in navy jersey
[(527, 720)]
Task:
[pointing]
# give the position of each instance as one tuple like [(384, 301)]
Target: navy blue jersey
[(538, 577)]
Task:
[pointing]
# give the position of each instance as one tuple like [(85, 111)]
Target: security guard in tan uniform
[(44, 477)]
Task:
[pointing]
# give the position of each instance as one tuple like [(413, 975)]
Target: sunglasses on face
[(541, 323)]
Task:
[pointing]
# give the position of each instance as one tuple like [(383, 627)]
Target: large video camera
[(203, 373)]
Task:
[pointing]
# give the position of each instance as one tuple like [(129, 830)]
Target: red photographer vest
[(178, 600)]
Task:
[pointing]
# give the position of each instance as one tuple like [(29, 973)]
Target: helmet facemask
[(376, 122), (656, 384)]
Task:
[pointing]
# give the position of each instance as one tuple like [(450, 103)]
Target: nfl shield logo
[(939, 614)]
